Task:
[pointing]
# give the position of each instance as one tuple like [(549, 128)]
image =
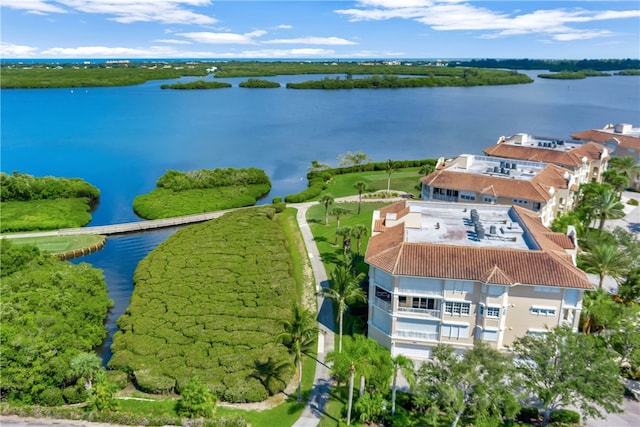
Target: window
[(457, 308), (493, 312), (543, 311), (418, 302), (455, 331), (487, 199), (521, 201), (487, 334), (467, 197)]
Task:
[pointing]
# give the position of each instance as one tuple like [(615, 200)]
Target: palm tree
[(339, 213), (85, 366), (343, 289), (358, 231), (390, 167), (626, 166), (299, 336), (607, 206), (597, 308), (345, 232), (361, 186), (604, 260), (402, 364), (326, 200)]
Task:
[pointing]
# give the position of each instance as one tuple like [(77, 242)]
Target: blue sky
[(384, 29)]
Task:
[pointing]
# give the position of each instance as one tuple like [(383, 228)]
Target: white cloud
[(123, 11), (458, 15), (8, 50), (38, 7), (223, 38), (284, 27), (172, 41), (334, 41)]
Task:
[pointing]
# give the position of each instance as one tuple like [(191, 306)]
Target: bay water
[(122, 139)]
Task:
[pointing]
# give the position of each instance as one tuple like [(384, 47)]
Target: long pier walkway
[(127, 227)]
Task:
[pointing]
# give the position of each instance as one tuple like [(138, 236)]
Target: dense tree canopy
[(562, 368), (24, 187), (52, 311)]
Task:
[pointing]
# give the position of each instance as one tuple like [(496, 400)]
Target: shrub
[(565, 416), (280, 207), (527, 414), (74, 394), (197, 400), (51, 397), (633, 202), (120, 379)]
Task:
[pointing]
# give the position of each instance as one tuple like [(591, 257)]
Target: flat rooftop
[(496, 167), (453, 224), (541, 142)]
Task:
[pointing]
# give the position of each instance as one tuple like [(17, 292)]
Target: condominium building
[(454, 273), (586, 161), (543, 188), (622, 139)]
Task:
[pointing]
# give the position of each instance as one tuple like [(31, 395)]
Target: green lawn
[(48, 214), (401, 180), (60, 244)]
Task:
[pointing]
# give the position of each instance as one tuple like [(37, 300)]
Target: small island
[(186, 193), (198, 84), (44, 203), (258, 83), (574, 75)]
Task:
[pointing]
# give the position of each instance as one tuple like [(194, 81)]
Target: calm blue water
[(122, 139)]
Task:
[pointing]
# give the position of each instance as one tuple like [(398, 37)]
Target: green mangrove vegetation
[(258, 83), (44, 203), (198, 84), (208, 303), (205, 190), (628, 73), (444, 77), (574, 75), (46, 75), (52, 311), (555, 65)]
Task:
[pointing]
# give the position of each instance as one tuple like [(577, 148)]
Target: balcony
[(379, 302), (428, 336), (424, 311)]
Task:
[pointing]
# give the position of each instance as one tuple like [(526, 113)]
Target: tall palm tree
[(358, 231), (299, 336), (607, 206), (390, 167), (339, 213), (604, 260), (326, 200), (402, 364), (361, 186), (343, 289)]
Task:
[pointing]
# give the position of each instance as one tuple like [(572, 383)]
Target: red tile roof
[(536, 189), (601, 136), (548, 266), (571, 158)]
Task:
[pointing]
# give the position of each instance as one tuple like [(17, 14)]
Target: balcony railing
[(379, 302), (429, 336), (444, 198), (430, 313)]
